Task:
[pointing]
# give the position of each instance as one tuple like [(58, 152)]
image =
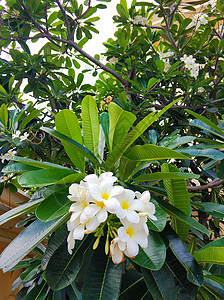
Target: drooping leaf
[(46, 177), (211, 253), (54, 206), (103, 278), (27, 240), (160, 283), (20, 210), (178, 196), (18, 168), (90, 124), (63, 267), (120, 122), (153, 256), (67, 123)]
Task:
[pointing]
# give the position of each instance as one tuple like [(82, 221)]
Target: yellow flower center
[(130, 231), (125, 205), (84, 204), (100, 204), (10, 154), (105, 196)]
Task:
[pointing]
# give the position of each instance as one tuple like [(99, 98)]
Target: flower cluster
[(198, 20), (191, 65), (99, 203), (213, 4), (165, 57), (113, 60), (18, 135), (140, 20), (10, 153)]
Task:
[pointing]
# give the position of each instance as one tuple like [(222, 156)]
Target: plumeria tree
[(126, 175)]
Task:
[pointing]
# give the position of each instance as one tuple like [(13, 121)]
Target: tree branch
[(215, 184)]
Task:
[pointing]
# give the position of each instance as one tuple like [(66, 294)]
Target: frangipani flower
[(94, 179), (129, 206), (107, 193), (134, 235), (16, 134), (116, 250), (149, 207), (24, 136), (113, 60)]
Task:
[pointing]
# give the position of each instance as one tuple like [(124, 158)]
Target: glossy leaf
[(90, 124), (46, 177), (19, 211), (193, 269), (153, 256), (63, 267), (178, 196), (39, 292), (173, 211), (160, 283), (18, 168), (211, 253), (163, 175), (27, 240), (67, 123), (211, 153), (129, 139), (54, 206), (126, 167), (120, 122), (103, 278), (77, 147), (3, 110)]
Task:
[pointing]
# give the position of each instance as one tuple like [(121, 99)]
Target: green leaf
[(173, 211), (2, 91), (129, 139), (19, 211), (211, 253), (150, 152), (120, 123), (219, 170), (90, 124), (35, 163), (104, 121), (54, 206), (211, 153), (4, 114), (103, 278), (63, 267), (194, 270), (121, 11), (126, 167), (163, 175), (67, 123), (151, 82), (39, 292), (206, 121), (160, 283), (160, 65), (46, 177), (160, 223), (18, 168), (178, 196), (30, 117), (27, 240), (78, 147), (73, 293), (134, 287), (153, 256)]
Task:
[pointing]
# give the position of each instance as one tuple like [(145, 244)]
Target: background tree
[(164, 124)]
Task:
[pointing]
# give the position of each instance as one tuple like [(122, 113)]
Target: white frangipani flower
[(104, 177), (16, 134), (129, 206), (24, 136), (149, 207), (116, 250), (107, 193), (134, 235), (113, 60)]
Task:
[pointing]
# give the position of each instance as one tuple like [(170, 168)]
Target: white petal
[(91, 210), (132, 248), (121, 213), (122, 234), (112, 204), (137, 205), (71, 242), (78, 232), (92, 224), (132, 216), (102, 215), (116, 190), (92, 178), (118, 256)]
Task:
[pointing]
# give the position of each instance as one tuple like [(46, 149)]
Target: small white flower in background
[(198, 20), (24, 136), (165, 57), (191, 65), (201, 90), (16, 134), (113, 60), (95, 201), (140, 20), (167, 65), (11, 152)]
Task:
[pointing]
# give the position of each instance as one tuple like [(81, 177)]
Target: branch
[(215, 184)]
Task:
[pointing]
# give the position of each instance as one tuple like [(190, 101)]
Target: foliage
[(154, 117)]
